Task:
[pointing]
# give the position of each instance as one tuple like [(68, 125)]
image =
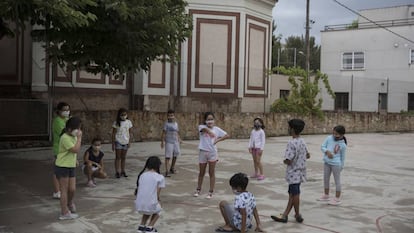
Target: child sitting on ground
[(238, 216)]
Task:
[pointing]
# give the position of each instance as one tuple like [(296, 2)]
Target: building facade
[(371, 64), (224, 67)]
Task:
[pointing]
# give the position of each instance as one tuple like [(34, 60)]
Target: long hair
[(118, 116), (153, 162)]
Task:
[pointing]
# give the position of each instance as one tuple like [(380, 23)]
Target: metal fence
[(24, 118)]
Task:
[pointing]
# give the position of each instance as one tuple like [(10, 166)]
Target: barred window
[(353, 60)]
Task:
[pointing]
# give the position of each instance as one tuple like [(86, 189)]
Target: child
[(121, 141), (93, 165), (172, 142), (66, 161), (295, 158), (62, 115), (256, 146), (209, 135), (334, 149), (238, 217), (149, 184)]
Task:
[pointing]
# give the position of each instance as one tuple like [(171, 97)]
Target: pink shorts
[(256, 151)]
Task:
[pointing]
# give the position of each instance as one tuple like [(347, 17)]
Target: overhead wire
[(379, 25)]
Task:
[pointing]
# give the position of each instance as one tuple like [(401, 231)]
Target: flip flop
[(222, 229)]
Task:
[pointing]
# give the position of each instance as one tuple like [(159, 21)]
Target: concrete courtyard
[(377, 183)]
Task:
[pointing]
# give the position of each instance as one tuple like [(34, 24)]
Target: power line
[(357, 13)]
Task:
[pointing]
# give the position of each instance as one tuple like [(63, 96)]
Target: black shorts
[(61, 172), (294, 189)]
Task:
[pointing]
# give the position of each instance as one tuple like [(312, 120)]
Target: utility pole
[(307, 41)]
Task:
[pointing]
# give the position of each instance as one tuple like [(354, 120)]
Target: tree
[(109, 36), (276, 46), (298, 42), (303, 95)]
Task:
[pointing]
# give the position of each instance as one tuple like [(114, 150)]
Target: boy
[(172, 142), (295, 158), (238, 217)]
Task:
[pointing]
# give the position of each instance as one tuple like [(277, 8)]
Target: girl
[(66, 161), (334, 149), (149, 184), (256, 145), (93, 165), (62, 115), (121, 141), (209, 135)]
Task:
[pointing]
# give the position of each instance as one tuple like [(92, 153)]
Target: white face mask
[(210, 122), (124, 117), (65, 113), (96, 148), (75, 132)]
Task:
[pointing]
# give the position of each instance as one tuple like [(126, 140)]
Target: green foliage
[(353, 25), (303, 98), (297, 44), (109, 36), (407, 113)]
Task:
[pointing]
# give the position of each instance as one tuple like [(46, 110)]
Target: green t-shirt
[(65, 158), (57, 127)]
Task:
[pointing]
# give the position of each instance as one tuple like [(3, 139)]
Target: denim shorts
[(62, 172), (119, 146), (294, 189)]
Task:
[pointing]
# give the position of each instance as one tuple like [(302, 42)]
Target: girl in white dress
[(149, 184)]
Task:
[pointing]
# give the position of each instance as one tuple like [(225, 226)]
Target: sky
[(290, 15)]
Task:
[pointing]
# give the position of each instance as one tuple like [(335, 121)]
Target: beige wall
[(148, 125)]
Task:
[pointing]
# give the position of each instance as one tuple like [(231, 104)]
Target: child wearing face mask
[(93, 165), (334, 150), (121, 137), (58, 124), (209, 135), (172, 142), (65, 164), (239, 215), (256, 146)]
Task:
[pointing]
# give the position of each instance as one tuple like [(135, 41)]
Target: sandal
[(280, 218), (173, 171), (222, 229), (299, 218)]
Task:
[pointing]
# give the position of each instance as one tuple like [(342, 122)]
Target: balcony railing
[(376, 24)]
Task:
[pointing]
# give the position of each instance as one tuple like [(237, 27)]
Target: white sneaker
[(197, 193), (209, 195), (324, 197), (68, 216), (335, 201), (56, 195)]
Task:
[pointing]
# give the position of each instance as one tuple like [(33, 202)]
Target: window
[(353, 60), (410, 102), (284, 94), (341, 101), (411, 56)]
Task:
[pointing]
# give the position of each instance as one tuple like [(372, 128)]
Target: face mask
[(337, 138), (96, 148), (124, 117), (75, 132), (170, 119), (257, 126), (65, 113), (209, 122), (236, 192)]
